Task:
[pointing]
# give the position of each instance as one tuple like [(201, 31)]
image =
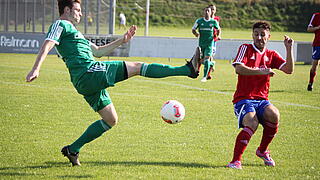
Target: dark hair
[(262, 24), (66, 3)]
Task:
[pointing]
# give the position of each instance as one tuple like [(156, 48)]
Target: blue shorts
[(242, 107), (316, 52)]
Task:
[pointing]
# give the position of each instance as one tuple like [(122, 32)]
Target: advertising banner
[(30, 43)]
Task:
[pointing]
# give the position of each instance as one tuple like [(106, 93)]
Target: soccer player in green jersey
[(90, 77), (206, 26)]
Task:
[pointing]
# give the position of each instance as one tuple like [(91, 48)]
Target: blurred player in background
[(206, 26), (314, 26), (254, 64), (122, 23), (215, 38), (91, 77)]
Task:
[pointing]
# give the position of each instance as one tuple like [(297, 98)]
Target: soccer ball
[(172, 112)]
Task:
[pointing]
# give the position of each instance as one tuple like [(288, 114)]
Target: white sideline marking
[(165, 83), (225, 93)]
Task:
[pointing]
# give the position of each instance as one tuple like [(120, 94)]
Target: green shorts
[(101, 75), (206, 51)]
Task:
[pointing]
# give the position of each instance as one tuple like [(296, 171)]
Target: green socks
[(207, 65), (160, 70), (94, 131)]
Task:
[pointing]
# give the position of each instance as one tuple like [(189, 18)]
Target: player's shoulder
[(245, 45), (272, 52), (200, 19), (218, 18)]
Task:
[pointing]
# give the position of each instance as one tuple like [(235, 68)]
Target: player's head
[(70, 9), (213, 10), (261, 34), (207, 12)]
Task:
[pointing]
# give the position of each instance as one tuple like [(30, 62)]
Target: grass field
[(226, 33), (39, 118), (164, 31)]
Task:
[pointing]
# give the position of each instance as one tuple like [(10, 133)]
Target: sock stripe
[(143, 69), (105, 125), (272, 125), (248, 130)]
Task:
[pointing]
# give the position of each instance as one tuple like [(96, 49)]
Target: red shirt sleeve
[(277, 61), (241, 57)]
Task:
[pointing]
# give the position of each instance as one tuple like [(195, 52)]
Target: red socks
[(269, 131), (312, 75), (242, 141)]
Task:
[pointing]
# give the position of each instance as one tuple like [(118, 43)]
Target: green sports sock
[(94, 131), (207, 65), (160, 70)]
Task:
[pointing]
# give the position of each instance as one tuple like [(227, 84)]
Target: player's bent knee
[(272, 114), (111, 121), (133, 68)]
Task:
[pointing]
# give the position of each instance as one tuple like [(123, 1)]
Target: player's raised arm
[(288, 67), (44, 50), (99, 51)]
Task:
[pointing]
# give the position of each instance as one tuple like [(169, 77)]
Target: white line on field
[(165, 83), (225, 93)]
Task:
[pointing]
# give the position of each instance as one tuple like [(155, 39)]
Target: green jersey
[(72, 47), (206, 30)]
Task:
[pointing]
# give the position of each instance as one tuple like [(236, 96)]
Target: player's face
[(207, 12), (213, 10), (260, 37), (75, 13)]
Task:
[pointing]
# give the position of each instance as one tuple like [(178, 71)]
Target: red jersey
[(255, 86), (315, 21), (217, 18)]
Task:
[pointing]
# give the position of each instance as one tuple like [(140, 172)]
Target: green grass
[(226, 33), (38, 118), (164, 31)]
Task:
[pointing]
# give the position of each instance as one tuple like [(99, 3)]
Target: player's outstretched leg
[(160, 70)]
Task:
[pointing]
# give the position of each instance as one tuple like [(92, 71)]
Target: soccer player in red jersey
[(314, 27), (254, 64)]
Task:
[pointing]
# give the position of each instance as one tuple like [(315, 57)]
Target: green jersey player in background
[(91, 77), (206, 26)]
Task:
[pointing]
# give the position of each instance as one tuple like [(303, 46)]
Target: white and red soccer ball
[(172, 112)]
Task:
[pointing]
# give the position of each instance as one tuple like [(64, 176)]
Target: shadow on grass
[(52, 164), (139, 163)]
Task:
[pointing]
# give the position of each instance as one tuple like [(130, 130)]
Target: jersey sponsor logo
[(206, 29), (79, 35)]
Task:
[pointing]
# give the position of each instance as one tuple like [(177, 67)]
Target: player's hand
[(33, 74), (267, 71), (288, 42), (129, 34)]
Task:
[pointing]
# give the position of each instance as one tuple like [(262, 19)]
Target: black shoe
[(194, 64), (73, 157), (310, 87)]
